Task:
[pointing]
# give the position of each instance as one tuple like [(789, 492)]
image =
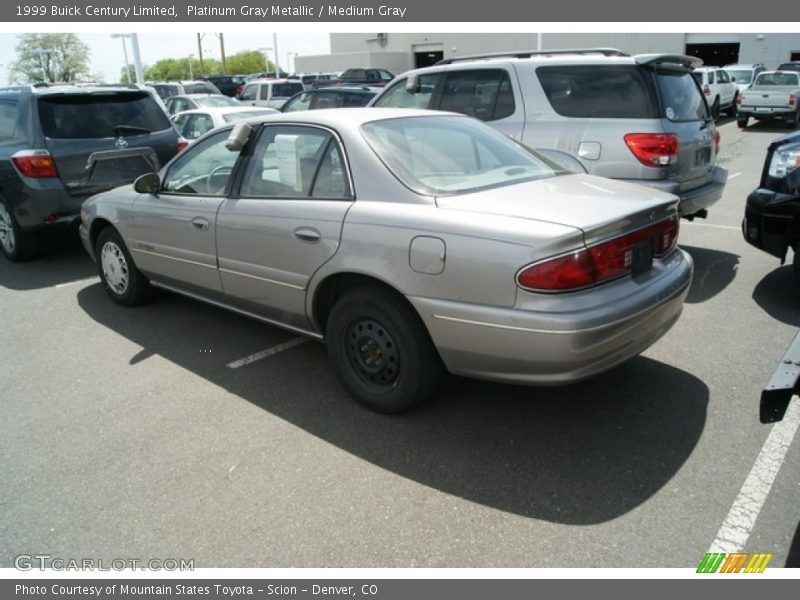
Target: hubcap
[(115, 267), (372, 353), (6, 230)]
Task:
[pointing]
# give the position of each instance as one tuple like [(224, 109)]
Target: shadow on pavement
[(779, 295), (64, 260), (714, 270), (583, 454)]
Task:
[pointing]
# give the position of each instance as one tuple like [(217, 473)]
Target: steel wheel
[(115, 268), (372, 353), (7, 238)]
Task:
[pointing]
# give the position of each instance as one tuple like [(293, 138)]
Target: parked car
[(166, 89), (332, 97), (193, 124), (789, 66), (375, 77), (721, 93), (229, 85), (407, 240), (312, 80), (772, 96), (60, 145), (772, 215), (637, 118), (743, 74), (177, 104), (272, 93)]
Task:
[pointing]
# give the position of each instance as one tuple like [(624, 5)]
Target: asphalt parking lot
[(149, 432)]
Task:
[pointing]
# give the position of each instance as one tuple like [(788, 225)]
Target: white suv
[(719, 90), (272, 93)]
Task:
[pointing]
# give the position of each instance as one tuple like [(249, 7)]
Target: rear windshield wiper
[(119, 129)]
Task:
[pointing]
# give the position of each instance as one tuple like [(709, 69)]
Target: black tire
[(742, 121), (794, 121), (715, 109), (122, 280), (381, 350), (796, 263), (733, 109), (16, 243)]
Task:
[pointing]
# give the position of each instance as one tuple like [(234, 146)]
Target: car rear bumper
[(44, 205), (563, 338), (772, 112), (696, 199)]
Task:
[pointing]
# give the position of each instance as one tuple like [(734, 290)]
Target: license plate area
[(702, 156), (642, 257)]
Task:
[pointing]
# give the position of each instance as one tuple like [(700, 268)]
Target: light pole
[(266, 59), (289, 56), (275, 46), (191, 58), (122, 36)]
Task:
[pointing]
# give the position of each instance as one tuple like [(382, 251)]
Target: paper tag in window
[(286, 152)]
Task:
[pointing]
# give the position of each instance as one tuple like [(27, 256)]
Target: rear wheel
[(742, 121), (793, 122), (16, 243), (796, 263), (733, 108), (715, 109), (381, 350), (122, 280)]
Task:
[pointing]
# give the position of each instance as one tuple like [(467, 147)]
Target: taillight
[(792, 99), (599, 263), (182, 144), (738, 99), (35, 163), (239, 89), (717, 139), (706, 90), (654, 149)]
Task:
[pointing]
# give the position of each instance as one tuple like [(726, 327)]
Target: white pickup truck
[(773, 95)]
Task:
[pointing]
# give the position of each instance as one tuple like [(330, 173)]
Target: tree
[(247, 61), (50, 58)]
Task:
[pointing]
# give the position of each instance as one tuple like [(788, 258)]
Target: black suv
[(772, 215), (229, 85), (61, 144)]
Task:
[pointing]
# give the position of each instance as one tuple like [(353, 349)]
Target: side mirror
[(733, 78), (412, 84), (149, 183), (238, 137)]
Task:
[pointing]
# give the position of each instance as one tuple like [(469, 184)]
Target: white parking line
[(736, 528), (266, 353), (79, 281), (735, 175), (731, 227)]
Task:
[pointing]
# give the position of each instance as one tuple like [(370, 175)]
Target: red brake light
[(654, 149), (717, 139), (739, 99), (601, 262), (706, 90), (792, 99), (35, 163), (182, 144)]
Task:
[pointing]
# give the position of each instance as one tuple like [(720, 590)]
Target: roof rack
[(530, 53)]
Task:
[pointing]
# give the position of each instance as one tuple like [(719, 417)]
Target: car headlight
[(784, 161)]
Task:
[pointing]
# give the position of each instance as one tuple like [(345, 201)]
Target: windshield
[(450, 155), (741, 75), (216, 101)]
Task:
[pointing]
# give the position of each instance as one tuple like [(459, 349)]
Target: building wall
[(395, 51)]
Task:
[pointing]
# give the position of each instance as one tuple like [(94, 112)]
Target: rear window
[(792, 66), (97, 116), (202, 87), (776, 79), (354, 74), (210, 101), (286, 89), (681, 99), (599, 91), (166, 90), (10, 128), (741, 75)]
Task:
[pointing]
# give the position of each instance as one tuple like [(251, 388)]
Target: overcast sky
[(107, 57)]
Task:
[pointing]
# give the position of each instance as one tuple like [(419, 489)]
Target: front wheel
[(715, 109), (796, 263), (122, 280), (381, 350), (733, 108)]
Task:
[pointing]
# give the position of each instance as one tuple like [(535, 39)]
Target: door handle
[(308, 235), (201, 223)]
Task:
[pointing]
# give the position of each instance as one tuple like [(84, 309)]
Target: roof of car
[(225, 110), (346, 88), (743, 66), (352, 117), (68, 88), (199, 95)]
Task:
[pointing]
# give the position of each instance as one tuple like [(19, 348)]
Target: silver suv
[(639, 118)]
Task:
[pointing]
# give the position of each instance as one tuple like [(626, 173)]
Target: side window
[(9, 110), (327, 100), (353, 100), (180, 124), (331, 180), (249, 92), (199, 126), (479, 93), (723, 77), (264, 95), (373, 77), (385, 75), (398, 97), (301, 102), (204, 169), (287, 160), (711, 77)]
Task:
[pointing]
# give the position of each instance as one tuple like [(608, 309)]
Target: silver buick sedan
[(409, 241)]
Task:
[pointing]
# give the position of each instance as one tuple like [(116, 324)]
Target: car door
[(249, 94), (285, 221), (172, 234), (727, 91)]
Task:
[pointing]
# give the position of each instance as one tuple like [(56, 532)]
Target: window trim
[(236, 191)]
